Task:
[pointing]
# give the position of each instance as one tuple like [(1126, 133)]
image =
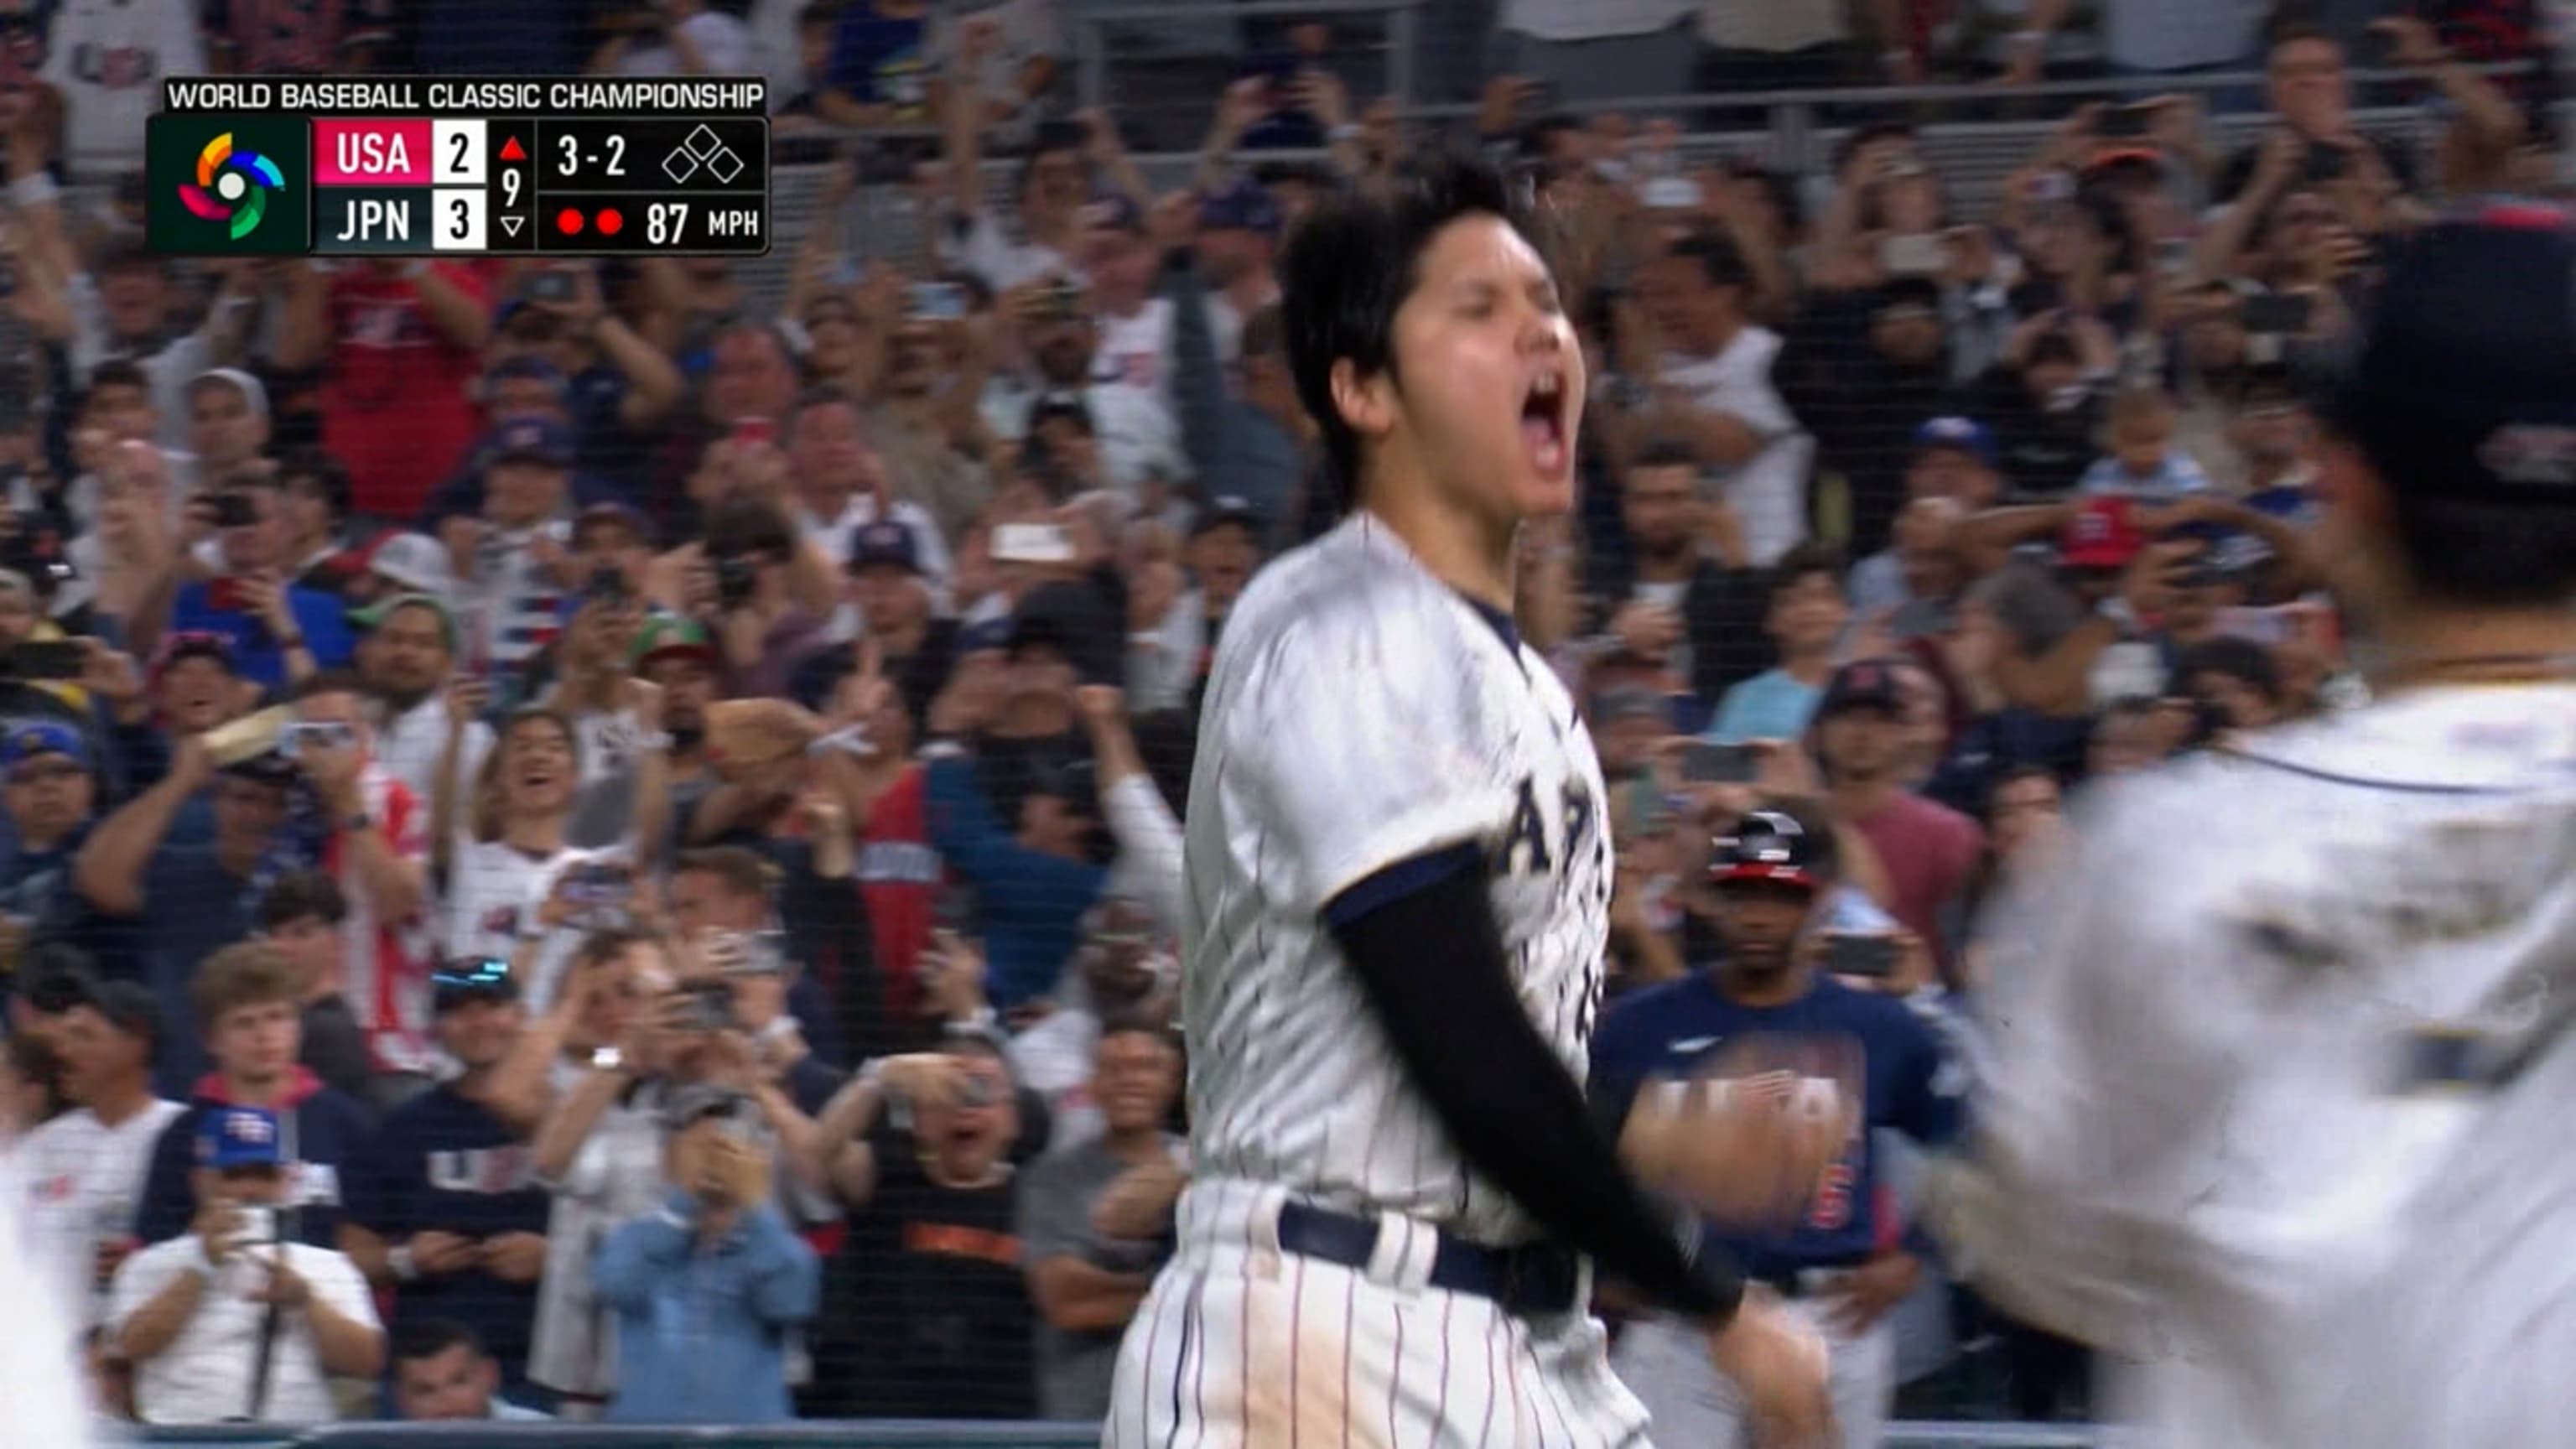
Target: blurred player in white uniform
[(1398, 876), (2282, 1068), (43, 1388)]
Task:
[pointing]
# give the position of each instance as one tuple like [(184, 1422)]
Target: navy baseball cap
[(1862, 684), (532, 440), (1242, 204), (470, 979), (886, 543), (1227, 510), (229, 1137), (31, 741), (2462, 377), (1959, 435)]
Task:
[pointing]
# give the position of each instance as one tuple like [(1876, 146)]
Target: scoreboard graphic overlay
[(419, 167)]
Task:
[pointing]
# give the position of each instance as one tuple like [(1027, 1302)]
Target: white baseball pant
[(1242, 1346)]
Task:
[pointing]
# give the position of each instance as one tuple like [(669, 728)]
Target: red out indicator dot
[(568, 221), (611, 221)]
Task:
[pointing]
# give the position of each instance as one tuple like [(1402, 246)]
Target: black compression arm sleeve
[(1431, 966)]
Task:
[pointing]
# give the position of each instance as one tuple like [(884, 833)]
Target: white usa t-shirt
[(204, 1376), (83, 1180), (494, 892), (1361, 713)]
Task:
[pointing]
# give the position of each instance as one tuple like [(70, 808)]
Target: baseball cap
[(1224, 510), (471, 979), (613, 515), (1768, 845), (2103, 534), (191, 644), (1242, 204), (412, 561), (886, 543), (230, 1137), (1075, 621), (528, 367), (668, 636), (2145, 158), (989, 634), (1958, 435), (531, 440), (1862, 684), (253, 391), (2462, 378), (374, 615), (30, 741), (1898, 292)]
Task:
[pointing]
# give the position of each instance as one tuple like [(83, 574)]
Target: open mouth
[(1543, 423)]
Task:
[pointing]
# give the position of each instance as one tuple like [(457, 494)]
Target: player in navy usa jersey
[(1769, 1001)]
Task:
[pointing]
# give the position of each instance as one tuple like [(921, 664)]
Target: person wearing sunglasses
[(444, 1209)]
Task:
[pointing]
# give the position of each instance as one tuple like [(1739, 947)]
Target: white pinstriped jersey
[(1361, 713)]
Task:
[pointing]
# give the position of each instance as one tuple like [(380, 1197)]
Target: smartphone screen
[(1871, 958), (47, 659), (1714, 764), (1037, 543)]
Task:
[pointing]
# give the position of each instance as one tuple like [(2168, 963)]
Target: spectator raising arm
[(114, 865), (455, 804), (1148, 868)]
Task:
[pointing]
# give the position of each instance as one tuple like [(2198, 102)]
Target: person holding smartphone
[(1788, 997)]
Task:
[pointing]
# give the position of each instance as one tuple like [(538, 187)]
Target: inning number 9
[(665, 221)]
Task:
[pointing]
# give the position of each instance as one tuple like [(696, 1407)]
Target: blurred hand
[(1245, 104), (1647, 629), (110, 674), (1780, 1365), (1137, 1204), (1322, 95), (515, 1257), (462, 535), (468, 696), (976, 40), (1750, 1145), (336, 772), (2284, 153), (283, 1286), (436, 1253), (1871, 1291), (921, 1078), (953, 972), (1102, 705), (2412, 43), (1173, 223), (973, 696), (218, 1229)]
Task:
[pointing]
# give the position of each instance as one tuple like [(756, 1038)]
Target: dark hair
[(1664, 452), (1811, 556), (1155, 1024), (303, 895), (2240, 659), (2478, 552), (422, 1338), (1265, 333), (610, 942), (2291, 24), (1720, 260), (825, 396), (117, 372), (1539, 134), (54, 977), (329, 476), (35, 1059), (328, 681), (2014, 775), (741, 526), (743, 871), (1349, 268), (1051, 137)]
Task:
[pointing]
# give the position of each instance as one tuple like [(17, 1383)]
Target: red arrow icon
[(510, 150)]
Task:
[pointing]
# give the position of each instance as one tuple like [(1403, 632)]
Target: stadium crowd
[(578, 842)]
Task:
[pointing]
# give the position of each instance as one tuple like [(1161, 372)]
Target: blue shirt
[(1029, 904), (1769, 706), (702, 1330), (323, 1132), (1913, 1085), (256, 655), (219, 911), (443, 1163)]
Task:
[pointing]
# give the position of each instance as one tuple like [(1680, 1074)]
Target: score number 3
[(572, 157)]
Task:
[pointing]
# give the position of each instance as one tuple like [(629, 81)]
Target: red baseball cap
[(2103, 534)]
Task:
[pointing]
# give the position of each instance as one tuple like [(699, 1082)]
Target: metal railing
[(889, 1434)]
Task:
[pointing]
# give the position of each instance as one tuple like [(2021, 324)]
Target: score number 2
[(665, 222), (572, 157)]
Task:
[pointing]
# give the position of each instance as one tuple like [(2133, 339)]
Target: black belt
[(1532, 1281)]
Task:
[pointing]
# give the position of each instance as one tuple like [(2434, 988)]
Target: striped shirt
[(1361, 714)]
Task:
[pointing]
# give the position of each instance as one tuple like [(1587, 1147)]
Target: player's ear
[(1366, 401)]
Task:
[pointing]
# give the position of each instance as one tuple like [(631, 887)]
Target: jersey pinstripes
[(1359, 712)]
